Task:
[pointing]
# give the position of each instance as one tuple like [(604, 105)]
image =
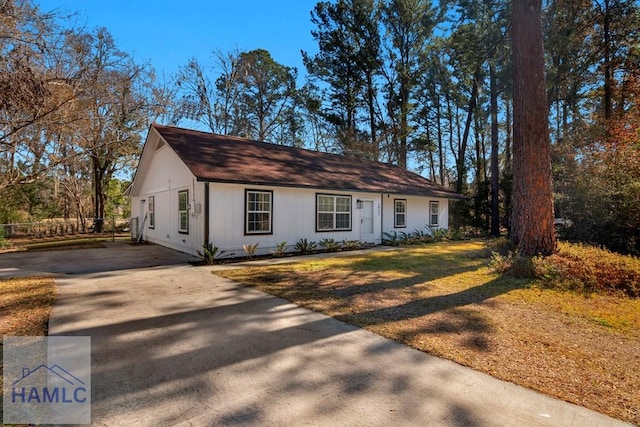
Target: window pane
[(343, 221), (184, 221), (325, 203), (343, 204), (182, 201), (325, 221), (400, 220)]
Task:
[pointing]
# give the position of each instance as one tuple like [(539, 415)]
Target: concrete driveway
[(177, 345)]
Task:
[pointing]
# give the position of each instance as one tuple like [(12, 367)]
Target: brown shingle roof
[(219, 158)]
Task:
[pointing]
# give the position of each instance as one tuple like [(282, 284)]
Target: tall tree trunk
[(371, 102), (441, 159), (462, 148), (532, 229), (495, 205), (608, 67)]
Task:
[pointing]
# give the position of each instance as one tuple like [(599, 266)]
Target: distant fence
[(58, 227)]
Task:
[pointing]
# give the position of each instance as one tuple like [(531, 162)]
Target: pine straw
[(442, 299), (25, 305)]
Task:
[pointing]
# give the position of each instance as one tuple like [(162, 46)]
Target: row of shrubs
[(210, 254), (417, 237), (575, 266)]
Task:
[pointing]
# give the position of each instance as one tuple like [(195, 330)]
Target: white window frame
[(151, 207), (400, 213), (248, 212), (436, 212), (183, 211), (333, 211)]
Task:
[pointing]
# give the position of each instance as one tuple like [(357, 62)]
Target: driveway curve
[(174, 344)]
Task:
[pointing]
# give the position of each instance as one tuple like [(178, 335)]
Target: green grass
[(446, 299)]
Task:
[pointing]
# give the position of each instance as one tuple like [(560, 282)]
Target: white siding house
[(193, 188)]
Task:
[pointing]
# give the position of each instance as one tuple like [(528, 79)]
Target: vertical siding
[(417, 213), (294, 217), (165, 177)]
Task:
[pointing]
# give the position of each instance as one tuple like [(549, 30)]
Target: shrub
[(329, 245), (250, 249), (3, 241), (304, 246), (575, 267), (351, 244), (281, 249), (391, 239), (210, 253), (591, 269), (513, 265)]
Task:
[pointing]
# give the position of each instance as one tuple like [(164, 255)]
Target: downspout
[(206, 214), (382, 218)]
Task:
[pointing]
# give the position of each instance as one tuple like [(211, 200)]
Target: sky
[(167, 33)]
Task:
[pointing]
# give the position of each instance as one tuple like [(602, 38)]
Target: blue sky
[(168, 33)]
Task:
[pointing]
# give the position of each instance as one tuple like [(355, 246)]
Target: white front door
[(366, 222)]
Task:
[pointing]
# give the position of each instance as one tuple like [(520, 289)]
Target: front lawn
[(444, 299)]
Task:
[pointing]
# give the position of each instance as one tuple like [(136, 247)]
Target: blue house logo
[(46, 380), (61, 386)]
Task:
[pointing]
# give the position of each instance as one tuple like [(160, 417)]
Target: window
[(151, 210), (333, 213), (434, 210), (400, 210), (258, 207), (183, 211)]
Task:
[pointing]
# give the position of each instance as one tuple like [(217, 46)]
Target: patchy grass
[(77, 241), (444, 299)]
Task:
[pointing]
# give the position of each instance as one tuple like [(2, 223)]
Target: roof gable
[(219, 158)]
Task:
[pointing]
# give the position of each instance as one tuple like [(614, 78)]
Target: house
[(194, 187)]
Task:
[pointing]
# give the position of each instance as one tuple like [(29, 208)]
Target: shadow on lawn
[(343, 292)]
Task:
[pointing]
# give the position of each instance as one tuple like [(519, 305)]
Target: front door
[(366, 222)]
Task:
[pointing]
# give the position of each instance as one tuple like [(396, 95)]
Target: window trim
[(186, 211), (396, 213), (335, 197), (151, 210), (246, 212), (431, 223)]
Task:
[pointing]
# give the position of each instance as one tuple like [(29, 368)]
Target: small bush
[(3, 241), (351, 244), (281, 249), (250, 249), (329, 245), (513, 265), (436, 233), (210, 253), (391, 239), (305, 247)]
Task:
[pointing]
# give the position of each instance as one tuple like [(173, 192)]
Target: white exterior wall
[(294, 217), (417, 213), (165, 177)]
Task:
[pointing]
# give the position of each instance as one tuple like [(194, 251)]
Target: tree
[(113, 110), (532, 227), (348, 62), (267, 90), (409, 25)]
